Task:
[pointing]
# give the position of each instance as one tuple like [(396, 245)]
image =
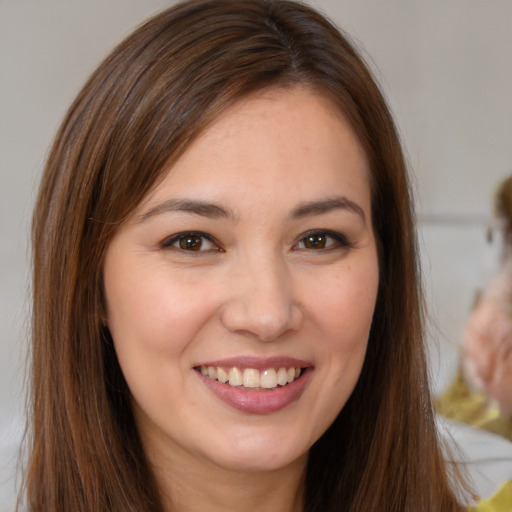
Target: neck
[(187, 486)]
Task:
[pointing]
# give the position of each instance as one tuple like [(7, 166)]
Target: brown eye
[(323, 240), (190, 243), (315, 241)]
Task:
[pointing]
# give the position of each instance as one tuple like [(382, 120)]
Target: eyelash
[(169, 243), (340, 241)]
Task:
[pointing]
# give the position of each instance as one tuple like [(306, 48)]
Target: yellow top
[(500, 502), (459, 403)]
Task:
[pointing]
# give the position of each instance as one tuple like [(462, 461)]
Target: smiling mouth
[(252, 379)]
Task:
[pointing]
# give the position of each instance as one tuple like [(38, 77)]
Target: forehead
[(292, 142)]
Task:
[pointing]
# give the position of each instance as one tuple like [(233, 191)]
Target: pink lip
[(258, 363), (258, 402)]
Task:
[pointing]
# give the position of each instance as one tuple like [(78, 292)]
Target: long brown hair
[(135, 116)]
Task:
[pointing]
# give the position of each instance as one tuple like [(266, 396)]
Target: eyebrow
[(215, 211), (203, 208), (326, 206)]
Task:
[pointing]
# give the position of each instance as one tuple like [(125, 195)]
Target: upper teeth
[(269, 378)]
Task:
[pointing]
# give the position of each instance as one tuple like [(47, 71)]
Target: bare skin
[(255, 256), (231, 491)]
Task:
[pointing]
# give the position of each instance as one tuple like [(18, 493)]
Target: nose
[(262, 304)]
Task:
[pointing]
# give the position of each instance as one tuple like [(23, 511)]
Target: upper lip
[(258, 363)]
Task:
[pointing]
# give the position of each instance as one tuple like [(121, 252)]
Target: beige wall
[(446, 67)]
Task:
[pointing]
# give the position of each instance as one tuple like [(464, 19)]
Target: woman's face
[(240, 294)]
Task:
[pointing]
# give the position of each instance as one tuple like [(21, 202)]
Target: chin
[(258, 464), (251, 455)]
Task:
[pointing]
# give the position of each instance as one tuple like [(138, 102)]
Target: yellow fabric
[(459, 403), (500, 502)]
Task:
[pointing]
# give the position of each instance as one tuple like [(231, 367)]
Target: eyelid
[(341, 239), (167, 243)]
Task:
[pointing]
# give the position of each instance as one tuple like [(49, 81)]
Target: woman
[(481, 394), (226, 306)]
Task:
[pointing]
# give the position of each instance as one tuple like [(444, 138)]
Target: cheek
[(344, 304), (343, 310), (152, 308), (154, 319)]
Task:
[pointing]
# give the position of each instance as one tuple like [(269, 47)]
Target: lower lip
[(258, 402)]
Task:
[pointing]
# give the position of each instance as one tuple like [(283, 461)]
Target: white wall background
[(445, 65)]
